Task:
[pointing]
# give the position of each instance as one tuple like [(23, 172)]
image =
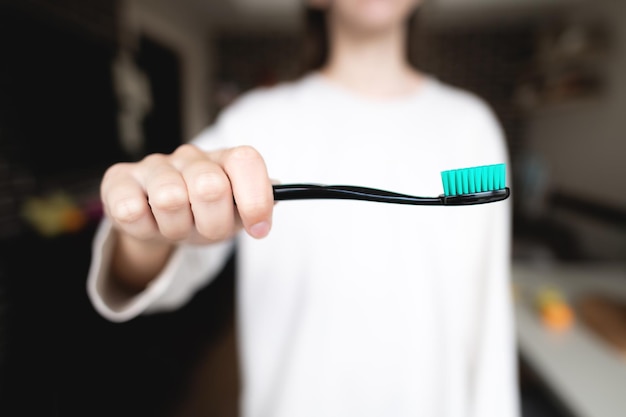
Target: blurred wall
[(187, 32), (582, 144), (554, 71), (585, 144)]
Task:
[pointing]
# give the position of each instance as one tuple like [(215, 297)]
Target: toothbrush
[(464, 186)]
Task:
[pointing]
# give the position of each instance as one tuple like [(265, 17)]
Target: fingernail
[(260, 230)]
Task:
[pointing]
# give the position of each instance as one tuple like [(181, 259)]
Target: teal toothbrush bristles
[(474, 180)]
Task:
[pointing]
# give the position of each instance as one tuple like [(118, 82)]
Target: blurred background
[(87, 84)]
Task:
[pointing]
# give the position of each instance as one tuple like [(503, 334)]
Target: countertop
[(583, 371)]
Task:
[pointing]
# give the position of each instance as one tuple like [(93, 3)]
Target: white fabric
[(352, 308)]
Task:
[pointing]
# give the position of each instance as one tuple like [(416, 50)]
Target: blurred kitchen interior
[(86, 84)]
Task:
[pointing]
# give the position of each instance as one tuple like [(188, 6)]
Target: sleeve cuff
[(189, 268)]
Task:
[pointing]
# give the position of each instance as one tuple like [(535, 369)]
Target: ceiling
[(285, 14)]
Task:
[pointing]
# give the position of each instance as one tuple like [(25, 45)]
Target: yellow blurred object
[(557, 316), (53, 215), (548, 295), (555, 312)]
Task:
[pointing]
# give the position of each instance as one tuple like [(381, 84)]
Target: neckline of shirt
[(428, 82)]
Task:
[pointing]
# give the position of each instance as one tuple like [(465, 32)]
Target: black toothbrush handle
[(349, 192)]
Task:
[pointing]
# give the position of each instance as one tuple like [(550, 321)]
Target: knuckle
[(128, 210), (244, 153), (211, 186), (168, 197), (115, 170), (154, 159), (186, 149), (113, 174)]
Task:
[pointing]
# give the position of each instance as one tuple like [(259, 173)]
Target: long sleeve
[(188, 269)]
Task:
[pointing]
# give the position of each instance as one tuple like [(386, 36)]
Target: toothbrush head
[(475, 185)]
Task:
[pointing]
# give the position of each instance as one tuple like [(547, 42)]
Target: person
[(345, 308)]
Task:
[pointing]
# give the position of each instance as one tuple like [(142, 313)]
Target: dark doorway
[(163, 125)]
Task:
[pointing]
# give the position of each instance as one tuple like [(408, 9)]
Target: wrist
[(137, 262)]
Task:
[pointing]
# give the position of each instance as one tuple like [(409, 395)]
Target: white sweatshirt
[(352, 308)]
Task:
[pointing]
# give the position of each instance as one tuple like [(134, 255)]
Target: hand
[(190, 196)]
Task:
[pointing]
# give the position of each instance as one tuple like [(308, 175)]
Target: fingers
[(125, 202), (211, 199), (251, 188), (169, 201), (196, 201), (148, 199), (190, 195)]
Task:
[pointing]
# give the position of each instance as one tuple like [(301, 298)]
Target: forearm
[(185, 269), (136, 263)]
